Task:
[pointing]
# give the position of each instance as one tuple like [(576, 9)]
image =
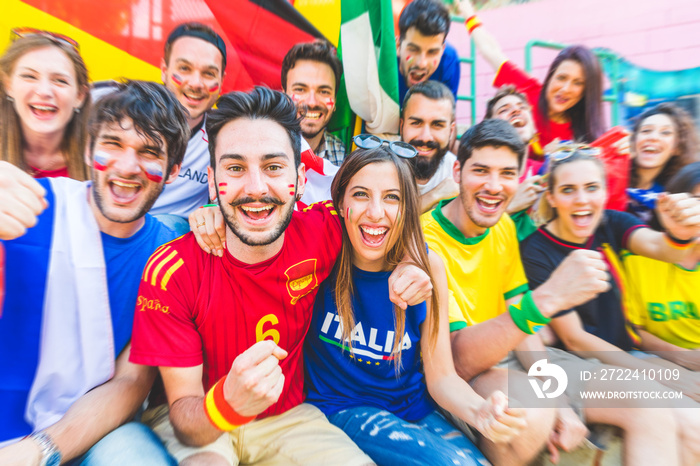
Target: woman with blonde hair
[(44, 102)]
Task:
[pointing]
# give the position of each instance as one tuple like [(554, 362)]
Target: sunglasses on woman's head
[(370, 141), (18, 33), (564, 152)]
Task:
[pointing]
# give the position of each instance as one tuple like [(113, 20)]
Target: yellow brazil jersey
[(663, 299), (482, 272)]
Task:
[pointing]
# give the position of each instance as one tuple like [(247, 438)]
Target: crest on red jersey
[(301, 279)]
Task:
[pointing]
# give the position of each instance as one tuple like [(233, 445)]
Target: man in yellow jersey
[(496, 311)]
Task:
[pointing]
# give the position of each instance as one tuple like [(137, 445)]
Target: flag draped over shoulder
[(369, 62), (262, 32)]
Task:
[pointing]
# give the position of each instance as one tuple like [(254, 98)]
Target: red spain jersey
[(194, 308)]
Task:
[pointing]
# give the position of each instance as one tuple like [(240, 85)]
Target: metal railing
[(606, 57)]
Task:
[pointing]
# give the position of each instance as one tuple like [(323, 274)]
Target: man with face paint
[(65, 327), (311, 76), (427, 123), (229, 346), (496, 313), (512, 106), (422, 51), (193, 70)]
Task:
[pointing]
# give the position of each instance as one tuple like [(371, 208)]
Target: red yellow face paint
[(292, 190), (222, 188), (214, 88), (176, 79)]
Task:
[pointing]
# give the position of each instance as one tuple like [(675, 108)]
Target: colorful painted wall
[(651, 34)]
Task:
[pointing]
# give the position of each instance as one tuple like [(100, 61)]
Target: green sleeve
[(524, 226)]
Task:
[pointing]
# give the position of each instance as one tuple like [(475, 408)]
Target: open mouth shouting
[(124, 191), (416, 75), (43, 111), (489, 204), (373, 236), (194, 98), (582, 218), (517, 121), (257, 212)]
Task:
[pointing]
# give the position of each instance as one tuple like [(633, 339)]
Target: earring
[(76, 110), (10, 99)]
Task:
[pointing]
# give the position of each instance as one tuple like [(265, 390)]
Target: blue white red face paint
[(100, 160), (153, 170)]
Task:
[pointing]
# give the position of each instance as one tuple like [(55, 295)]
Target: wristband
[(526, 316), (209, 205), (676, 243), (220, 413), (472, 23)]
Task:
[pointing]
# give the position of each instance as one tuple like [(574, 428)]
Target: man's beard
[(303, 110), (424, 167), (248, 240), (133, 215)]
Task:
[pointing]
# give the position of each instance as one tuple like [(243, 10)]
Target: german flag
[(125, 38), (262, 32)]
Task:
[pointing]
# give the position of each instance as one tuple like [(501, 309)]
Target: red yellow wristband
[(676, 243), (472, 23), (219, 412)]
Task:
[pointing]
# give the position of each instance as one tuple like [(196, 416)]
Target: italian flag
[(368, 50)]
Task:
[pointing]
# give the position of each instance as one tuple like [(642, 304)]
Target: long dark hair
[(686, 141), (587, 115), (407, 234)]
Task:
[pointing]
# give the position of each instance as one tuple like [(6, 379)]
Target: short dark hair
[(430, 17), (686, 180), (433, 90), (154, 111), (260, 103), (199, 31), (491, 133), (319, 50), (502, 92)]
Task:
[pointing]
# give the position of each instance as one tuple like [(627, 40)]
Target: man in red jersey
[(227, 332)]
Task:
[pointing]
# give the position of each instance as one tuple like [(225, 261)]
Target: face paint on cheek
[(214, 88), (292, 190), (330, 102), (100, 160), (154, 172), (176, 79), (222, 188)]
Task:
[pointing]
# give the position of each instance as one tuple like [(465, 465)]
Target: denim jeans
[(389, 440), (132, 444)]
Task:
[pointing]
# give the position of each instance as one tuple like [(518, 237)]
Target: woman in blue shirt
[(363, 354)]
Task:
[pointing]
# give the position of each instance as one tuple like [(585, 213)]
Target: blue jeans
[(389, 440), (133, 444)]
